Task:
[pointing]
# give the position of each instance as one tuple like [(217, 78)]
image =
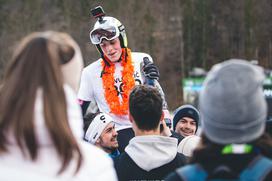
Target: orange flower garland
[(116, 106)]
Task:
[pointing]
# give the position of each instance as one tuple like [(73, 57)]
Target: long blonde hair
[(36, 64)]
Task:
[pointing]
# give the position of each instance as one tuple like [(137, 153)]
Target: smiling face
[(108, 138), (112, 49), (186, 126)]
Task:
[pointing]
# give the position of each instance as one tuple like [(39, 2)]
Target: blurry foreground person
[(233, 111), (40, 120), (188, 144)]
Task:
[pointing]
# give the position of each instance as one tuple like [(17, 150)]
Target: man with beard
[(185, 121), (100, 130)]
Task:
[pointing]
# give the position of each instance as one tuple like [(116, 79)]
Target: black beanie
[(186, 111)]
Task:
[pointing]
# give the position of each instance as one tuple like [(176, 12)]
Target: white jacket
[(96, 164)]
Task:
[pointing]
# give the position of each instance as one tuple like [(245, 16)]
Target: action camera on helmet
[(98, 12)]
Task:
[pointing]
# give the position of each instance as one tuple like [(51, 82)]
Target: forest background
[(179, 34)]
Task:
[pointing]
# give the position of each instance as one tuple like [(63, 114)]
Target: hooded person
[(185, 121), (148, 156), (233, 109), (108, 80)]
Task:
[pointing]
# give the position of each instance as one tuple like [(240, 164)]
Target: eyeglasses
[(98, 35)]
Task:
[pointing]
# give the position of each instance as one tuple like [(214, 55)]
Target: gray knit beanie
[(232, 103)]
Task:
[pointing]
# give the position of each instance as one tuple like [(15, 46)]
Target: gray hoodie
[(153, 151)]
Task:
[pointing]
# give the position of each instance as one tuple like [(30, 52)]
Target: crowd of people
[(46, 132)]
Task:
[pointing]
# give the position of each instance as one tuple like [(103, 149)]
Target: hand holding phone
[(164, 129)]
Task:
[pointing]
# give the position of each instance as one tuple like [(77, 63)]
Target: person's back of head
[(145, 107), (233, 116), (41, 65), (188, 144), (232, 103), (233, 111)]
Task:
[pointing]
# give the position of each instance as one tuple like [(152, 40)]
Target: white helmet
[(108, 28)]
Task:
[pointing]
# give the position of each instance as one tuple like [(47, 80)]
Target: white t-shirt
[(91, 86)]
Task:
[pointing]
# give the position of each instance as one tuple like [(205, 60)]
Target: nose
[(109, 48), (114, 133), (188, 125)]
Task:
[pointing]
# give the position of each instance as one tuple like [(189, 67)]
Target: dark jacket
[(224, 167), (148, 158), (177, 136), (127, 169)]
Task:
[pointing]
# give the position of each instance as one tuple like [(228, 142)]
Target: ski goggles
[(98, 35)]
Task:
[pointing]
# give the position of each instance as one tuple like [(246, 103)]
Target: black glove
[(150, 70)]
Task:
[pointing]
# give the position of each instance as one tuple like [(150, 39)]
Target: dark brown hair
[(145, 106), (36, 65)]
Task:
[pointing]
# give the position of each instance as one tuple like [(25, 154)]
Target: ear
[(162, 117), (134, 126), (98, 141), (131, 119)]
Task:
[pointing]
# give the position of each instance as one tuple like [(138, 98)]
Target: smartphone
[(168, 122)]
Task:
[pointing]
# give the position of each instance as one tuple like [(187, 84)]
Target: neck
[(139, 132), (106, 149)]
